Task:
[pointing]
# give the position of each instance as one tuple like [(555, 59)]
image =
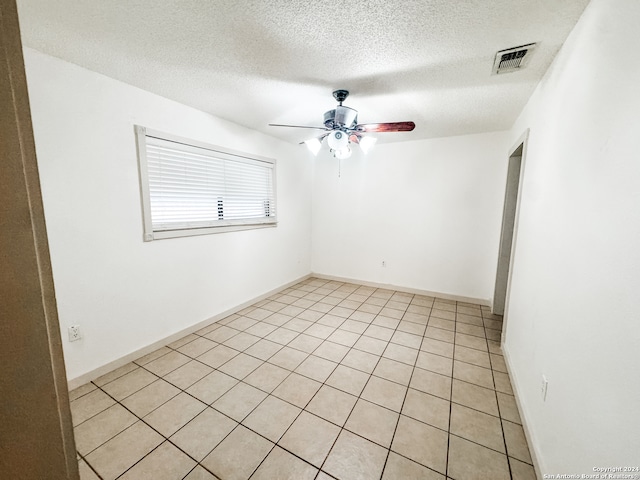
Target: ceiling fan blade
[(386, 127), (354, 138), (296, 126)]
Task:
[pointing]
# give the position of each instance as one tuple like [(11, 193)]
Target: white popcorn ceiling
[(277, 61)]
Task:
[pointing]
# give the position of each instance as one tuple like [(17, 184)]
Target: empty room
[(276, 240)]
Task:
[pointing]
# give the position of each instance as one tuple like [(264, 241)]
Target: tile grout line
[(89, 465), (453, 364), (129, 426), (504, 437)]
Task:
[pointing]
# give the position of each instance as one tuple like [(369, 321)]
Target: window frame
[(149, 234)]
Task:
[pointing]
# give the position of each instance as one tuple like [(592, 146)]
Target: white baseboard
[(415, 291), (533, 445), (98, 372)]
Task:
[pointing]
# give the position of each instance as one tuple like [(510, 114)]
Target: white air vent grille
[(513, 59)]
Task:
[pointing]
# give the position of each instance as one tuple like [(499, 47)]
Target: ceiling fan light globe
[(338, 140), (314, 145), (367, 143)]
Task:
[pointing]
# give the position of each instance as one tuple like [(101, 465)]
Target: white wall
[(126, 294), (574, 308), (431, 209)]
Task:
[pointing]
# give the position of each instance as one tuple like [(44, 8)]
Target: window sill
[(191, 232)]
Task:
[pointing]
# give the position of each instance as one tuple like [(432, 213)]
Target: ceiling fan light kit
[(342, 153), (314, 145), (341, 129), (367, 143), (337, 140)]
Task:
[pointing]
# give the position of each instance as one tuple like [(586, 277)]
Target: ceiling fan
[(341, 129)]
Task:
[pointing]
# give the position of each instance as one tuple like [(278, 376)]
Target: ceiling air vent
[(513, 59)]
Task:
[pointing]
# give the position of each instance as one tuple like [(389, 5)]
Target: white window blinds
[(192, 186)]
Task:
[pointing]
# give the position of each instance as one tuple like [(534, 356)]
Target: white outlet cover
[(74, 333)]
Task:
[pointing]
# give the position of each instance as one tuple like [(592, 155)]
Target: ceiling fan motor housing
[(328, 118), (341, 117), (346, 117)]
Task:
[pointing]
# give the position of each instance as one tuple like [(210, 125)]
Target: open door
[(36, 434)]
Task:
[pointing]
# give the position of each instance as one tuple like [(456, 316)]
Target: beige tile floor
[(322, 380)]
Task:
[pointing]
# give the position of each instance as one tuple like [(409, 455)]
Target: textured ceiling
[(277, 61)]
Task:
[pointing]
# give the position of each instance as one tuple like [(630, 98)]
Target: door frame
[(523, 142)]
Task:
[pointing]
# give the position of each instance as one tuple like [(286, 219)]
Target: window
[(190, 188)]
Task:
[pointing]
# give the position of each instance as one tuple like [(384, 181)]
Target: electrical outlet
[(543, 388), (74, 333), (384, 264)]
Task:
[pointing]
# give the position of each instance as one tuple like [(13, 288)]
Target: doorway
[(509, 222)]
